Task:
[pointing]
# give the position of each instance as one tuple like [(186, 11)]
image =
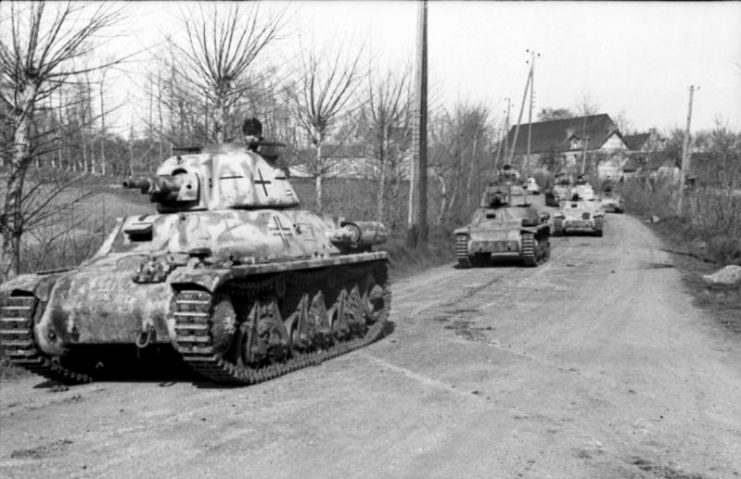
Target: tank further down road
[(504, 226), (230, 273)]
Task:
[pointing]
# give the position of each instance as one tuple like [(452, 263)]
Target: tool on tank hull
[(230, 273)]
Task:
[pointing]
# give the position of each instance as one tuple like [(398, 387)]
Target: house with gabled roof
[(567, 139), (645, 155)]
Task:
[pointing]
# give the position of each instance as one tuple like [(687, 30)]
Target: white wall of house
[(614, 142)]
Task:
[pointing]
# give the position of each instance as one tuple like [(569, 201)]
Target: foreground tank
[(505, 226), (581, 213), (229, 275)]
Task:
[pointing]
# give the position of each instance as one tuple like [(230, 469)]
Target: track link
[(461, 250), (16, 334), (194, 338), (529, 255)]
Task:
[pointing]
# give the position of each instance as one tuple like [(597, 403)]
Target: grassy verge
[(694, 257)]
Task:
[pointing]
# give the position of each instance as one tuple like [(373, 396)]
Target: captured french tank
[(505, 226), (229, 275), (581, 213)]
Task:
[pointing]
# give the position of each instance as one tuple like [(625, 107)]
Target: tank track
[(533, 254), (558, 227), (461, 250), (195, 337), (599, 225), (17, 337)]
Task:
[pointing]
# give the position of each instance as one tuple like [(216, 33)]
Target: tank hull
[(491, 236), (115, 300)]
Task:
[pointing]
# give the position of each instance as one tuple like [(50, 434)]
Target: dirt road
[(595, 365)]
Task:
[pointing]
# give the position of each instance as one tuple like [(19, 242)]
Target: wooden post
[(685, 153), (519, 117), (530, 112), (417, 222)]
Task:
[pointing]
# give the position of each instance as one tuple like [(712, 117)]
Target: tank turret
[(217, 177), (229, 275)]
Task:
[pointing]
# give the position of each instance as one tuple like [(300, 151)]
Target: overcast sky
[(631, 58)]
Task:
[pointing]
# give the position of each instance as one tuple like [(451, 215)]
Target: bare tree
[(460, 147), (40, 49), (388, 120), (586, 108), (219, 55), (321, 97)]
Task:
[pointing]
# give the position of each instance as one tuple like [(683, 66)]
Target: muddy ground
[(595, 365)]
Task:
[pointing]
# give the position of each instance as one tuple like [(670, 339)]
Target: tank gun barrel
[(165, 187), (360, 234), (153, 185)]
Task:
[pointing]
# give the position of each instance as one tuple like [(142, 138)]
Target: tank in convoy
[(581, 212), (505, 226), (230, 274)]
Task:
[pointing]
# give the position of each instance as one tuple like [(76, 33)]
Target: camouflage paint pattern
[(225, 214)]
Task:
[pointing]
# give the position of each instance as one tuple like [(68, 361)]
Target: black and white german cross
[(280, 230), (262, 182)]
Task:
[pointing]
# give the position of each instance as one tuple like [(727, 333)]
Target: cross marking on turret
[(262, 182)]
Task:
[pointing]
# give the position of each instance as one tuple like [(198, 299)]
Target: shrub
[(712, 216)]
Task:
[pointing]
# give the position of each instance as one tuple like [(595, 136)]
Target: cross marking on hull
[(281, 229)]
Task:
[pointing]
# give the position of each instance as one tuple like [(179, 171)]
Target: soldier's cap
[(252, 127)]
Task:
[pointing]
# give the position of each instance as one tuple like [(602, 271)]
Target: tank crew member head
[(252, 130)]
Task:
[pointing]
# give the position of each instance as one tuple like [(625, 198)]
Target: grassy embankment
[(704, 239)]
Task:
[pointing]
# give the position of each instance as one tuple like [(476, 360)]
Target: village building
[(561, 144)]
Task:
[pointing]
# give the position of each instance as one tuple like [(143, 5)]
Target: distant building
[(564, 142), (647, 156)]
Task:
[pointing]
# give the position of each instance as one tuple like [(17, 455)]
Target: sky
[(630, 59)]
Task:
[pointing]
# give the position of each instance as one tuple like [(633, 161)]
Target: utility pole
[(685, 151), (417, 221), (519, 118), (533, 54), (503, 137)]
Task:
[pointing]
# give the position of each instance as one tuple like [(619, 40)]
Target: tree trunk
[(159, 115), (12, 219), (381, 198), (318, 180), (102, 130), (443, 199), (219, 121)]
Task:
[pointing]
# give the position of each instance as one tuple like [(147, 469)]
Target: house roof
[(657, 159), (636, 142), (557, 134)]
